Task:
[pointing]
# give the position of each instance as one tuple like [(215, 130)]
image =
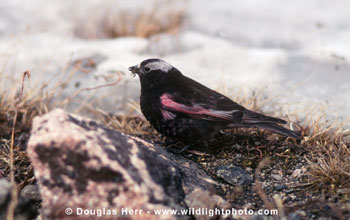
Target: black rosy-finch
[(181, 108)]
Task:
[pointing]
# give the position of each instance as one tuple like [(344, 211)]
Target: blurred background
[(290, 56)]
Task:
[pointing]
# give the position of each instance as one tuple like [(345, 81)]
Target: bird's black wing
[(189, 97)]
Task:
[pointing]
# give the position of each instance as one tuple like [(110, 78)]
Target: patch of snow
[(297, 51)]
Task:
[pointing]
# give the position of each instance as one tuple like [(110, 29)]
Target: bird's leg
[(186, 147)]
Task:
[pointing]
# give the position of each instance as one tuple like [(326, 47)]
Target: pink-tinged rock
[(99, 173)]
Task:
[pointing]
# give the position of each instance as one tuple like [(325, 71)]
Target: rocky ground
[(79, 163), (295, 51)]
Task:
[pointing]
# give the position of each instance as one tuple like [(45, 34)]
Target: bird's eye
[(147, 69)]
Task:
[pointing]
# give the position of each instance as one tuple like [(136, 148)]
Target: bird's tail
[(278, 129)]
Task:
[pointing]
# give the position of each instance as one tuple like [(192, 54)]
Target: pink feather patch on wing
[(171, 105), (167, 115)]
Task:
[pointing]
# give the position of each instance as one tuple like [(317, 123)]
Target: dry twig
[(93, 88), (11, 208)]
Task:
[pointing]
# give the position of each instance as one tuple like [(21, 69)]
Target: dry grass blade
[(329, 158), (258, 185), (13, 203), (144, 22), (329, 167)]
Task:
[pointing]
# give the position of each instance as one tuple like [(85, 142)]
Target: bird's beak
[(134, 69)]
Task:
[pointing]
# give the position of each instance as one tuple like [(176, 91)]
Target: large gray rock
[(82, 165)]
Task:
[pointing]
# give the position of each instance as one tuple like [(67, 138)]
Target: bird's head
[(151, 66), (153, 72)]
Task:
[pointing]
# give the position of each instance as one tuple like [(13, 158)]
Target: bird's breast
[(151, 108)]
